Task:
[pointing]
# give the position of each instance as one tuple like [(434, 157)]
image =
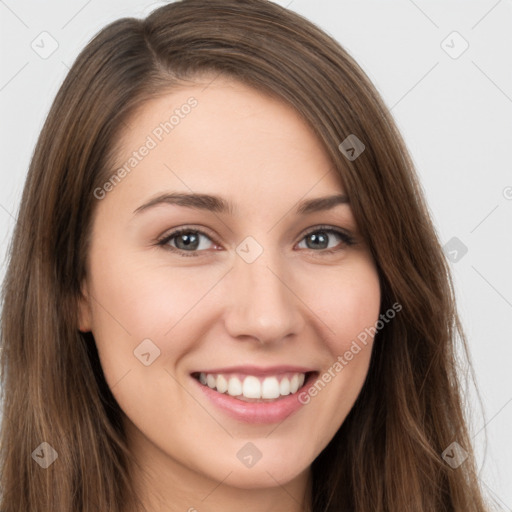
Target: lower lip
[(256, 412)]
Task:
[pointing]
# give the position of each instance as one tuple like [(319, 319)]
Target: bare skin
[(295, 304)]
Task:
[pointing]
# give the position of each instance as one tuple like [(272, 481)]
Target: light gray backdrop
[(443, 68)]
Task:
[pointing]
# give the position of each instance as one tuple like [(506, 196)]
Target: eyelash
[(347, 239)]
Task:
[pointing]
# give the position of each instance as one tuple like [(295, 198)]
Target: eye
[(322, 235), (186, 241)]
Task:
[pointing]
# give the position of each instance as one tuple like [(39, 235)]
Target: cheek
[(349, 304), (135, 301), (350, 312)]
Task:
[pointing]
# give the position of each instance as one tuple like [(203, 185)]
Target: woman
[(175, 334)]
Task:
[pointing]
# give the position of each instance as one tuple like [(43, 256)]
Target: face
[(261, 299)]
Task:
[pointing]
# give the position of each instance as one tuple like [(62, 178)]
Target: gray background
[(454, 110)]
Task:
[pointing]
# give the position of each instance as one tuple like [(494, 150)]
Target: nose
[(262, 302)]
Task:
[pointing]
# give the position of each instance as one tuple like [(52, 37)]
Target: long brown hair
[(387, 454)]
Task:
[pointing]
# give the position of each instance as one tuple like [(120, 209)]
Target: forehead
[(223, 136)]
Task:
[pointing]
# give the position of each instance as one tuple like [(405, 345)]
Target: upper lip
[(259, 370)]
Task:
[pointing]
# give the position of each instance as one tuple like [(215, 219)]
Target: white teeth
[(222, 384), (294, 384), (251, 387), (234, 386), (284, 387), (211, 381), (254, 387), (270, 388)]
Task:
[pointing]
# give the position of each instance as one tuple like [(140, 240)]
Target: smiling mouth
[(251, 388)]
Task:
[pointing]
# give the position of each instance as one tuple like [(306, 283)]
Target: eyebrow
[(220, 205)]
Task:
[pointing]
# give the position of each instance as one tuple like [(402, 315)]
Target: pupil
[(321, 238), (189, 240)]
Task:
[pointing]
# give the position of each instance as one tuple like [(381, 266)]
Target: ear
[(84, 311)]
